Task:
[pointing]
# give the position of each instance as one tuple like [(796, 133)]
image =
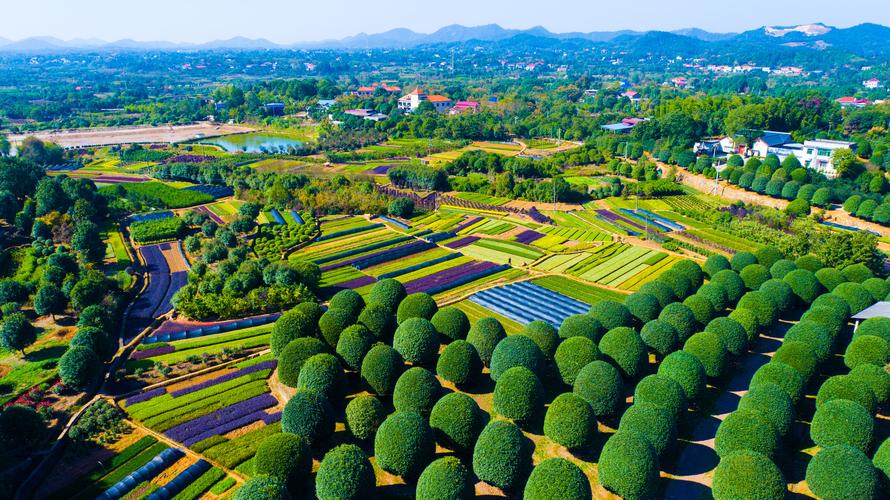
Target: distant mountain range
[(861, 39)]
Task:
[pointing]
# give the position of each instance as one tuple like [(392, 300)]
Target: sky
[(287, 21)]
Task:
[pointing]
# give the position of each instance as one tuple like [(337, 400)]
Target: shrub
[(685, 369), (716, 295), (797, 355), (311, 310), (518, 394), (830, 278), (611, 314), (544, 335), (345, 473), (826, 318), (557, 478), (692, 270), (21, 427), (378, 319), (842, 422), (332, 323), (404, 444), (772, 403), (459, 363), (661, 291), (416, 305), (626, 349), (855, 295), (321, 373), (809, 262), (838, 307), (745, 430), (446, 477), (388, 293), (264, 487), (628, 466), (573, 354), (748, 474), (364, 414), (570, 421), (783, 376), (457, 421), (842, 472), (748, 321), (581, 325), (768, 255), (285, 457), (803, 284), (846, 388), (653, 423), (867, 349), (715, 264), (679, 283), (451, 323), (416, 391), (294, 355), (681, 317), (781, 268), (659, 336), (417, 341), (779, 293), (643, 306), (877, 288), (709, 349), (814, 335), (857, 273), (701, 308), (731, 333), (290, 326), (484, 336), (95, 340), (79, 367), (754, 276), (662, 392), (308, 415), (501, 456), (353, 345), (881, 462), (599, 383), (761, 305), (875, 378), (381, 368), (742, 260), (349, 301), (516, 350), (731, 283), (877, 327)]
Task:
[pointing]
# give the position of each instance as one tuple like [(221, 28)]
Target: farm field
[(615, 265)]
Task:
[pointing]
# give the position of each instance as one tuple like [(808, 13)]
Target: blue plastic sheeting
[(299, 220), (166, 214), (347, 232), (181, 482), (440, 236), (661, 220), (154, 467), (848, 228), (210, 330), (526, 302), (277, 216), (395, 222), (415, 267), (644, 219)]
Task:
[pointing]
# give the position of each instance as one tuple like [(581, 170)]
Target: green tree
[(17, 333), (49, 300)]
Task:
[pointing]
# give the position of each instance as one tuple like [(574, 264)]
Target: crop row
[(525, 302), (588, 294), (510, 247)]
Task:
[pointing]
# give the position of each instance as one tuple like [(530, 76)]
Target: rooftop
[(881, 309)]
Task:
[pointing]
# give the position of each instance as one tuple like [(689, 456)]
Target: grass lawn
[(38, 365)]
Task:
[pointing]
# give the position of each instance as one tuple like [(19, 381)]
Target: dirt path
[(78, 138)]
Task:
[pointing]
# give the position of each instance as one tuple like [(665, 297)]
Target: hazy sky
[(303, 20)]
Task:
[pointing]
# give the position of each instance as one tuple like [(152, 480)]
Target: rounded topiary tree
[(844, 387), (285, 457), (264, 487), (653, 423), (875, 378), (451, 323), (611, 314), (797, 355), (516, 350), (701, 308), (96, 340), (745, 430), (378, 319), (21, 427), (809, 262), (501, 457), (715, 264), (417, 390), (416, 305), (446, 477), (748, 474), (829, 278), (79, 367), (660, 337), (311, 310), (692, 270), (761, 305), (289, 327), (857, 273), (772, 403), (681, 318), (643, 306), (709, 349), (457, 421), (459, 363), (662, 291), (404, 444), (573, 354), (881, 462), (294, 355), (754, 276), (814, 335), (518, 394), (345, 473), (581, 325), (731, 333), (662, 392), (742, 260), (484, 336), (544, 335), (842, 422), (322, 373), (679, 283), (417, 341), (855, 295), (878, 288), (783, 376), (803, 284), (332, 323), (308, 415), (779, 293), (349, 301), (716, 296), (748, 321), (599, 383), (781, 268), (628, 466), (353, 345), (557, 478), (381, 368), (570, 421), (867, 350), (842, 472), (877, 327), (768, 255), (388, 293), (825, 317), (364, 414), (624, 347), (685, 369), (731, 283)]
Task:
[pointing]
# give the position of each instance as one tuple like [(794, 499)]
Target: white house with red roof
[(464, 107), (368, 90), (852, 102), (632, 96), (872, 83), (416, 97)]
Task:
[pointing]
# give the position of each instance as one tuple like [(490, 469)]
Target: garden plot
[(526, 302), (589, 294), (194, 350), (167, 273), (615, 265)]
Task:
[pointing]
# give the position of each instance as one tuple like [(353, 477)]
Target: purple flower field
[(357, 283), (448, 276), (380, 256), (150, 353), (538, 217), (612, 216), (466, 240), (467, 223), (528, 236), (225, 378), (145, 396), (220, 421), (381, 170)]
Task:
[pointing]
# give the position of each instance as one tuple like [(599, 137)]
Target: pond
[(254, 143)]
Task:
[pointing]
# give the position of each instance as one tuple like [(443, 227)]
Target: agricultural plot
[(502, 251), (475, 312), (616, 265), (482, 198), (525, 302), (118, 249), (167, 272), (488, 227), (273, 240), (730, 242), (576, 234), (245, 340), (589, 294), (163, 196)]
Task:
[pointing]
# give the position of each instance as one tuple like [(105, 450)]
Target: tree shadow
[(690, 460), (46, 353), (483, 385), (682, 489)]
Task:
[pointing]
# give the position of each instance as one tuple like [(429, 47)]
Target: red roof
[(416, 91), (437, 98)]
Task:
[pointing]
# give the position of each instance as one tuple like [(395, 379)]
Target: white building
[(775, 143), (817, 155), (872, 83), (417, 96), (716, 147)]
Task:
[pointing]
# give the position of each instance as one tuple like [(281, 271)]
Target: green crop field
[(590, 294)]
